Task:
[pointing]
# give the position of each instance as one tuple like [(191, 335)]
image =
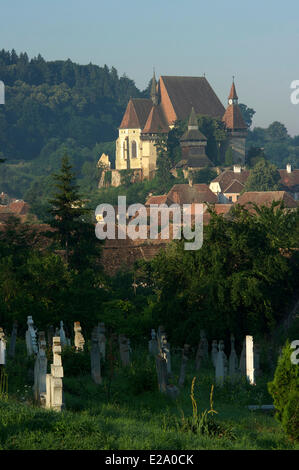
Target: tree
[(229, 159), (284, 390), (205, 175), (263, 177), (67, 208), (247, 114)]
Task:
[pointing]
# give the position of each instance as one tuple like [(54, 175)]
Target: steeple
[(233, 97), (154, 94), (192, 123)]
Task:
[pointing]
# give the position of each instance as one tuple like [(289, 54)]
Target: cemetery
[(63, 390)]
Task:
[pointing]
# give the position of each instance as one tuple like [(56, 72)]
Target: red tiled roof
[(186, 194), (156, 200), (222, 208), (265, 198), (19, 207), (226, 178), (233, 94), (136, 113), (233, 118), (289, 180), (234, 188), (180, 94), (155, 122)]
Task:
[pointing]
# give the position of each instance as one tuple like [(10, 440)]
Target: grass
[(134, 415)]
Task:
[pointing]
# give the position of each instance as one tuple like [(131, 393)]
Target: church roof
[(136, 113), (179, 94), (233, 118), (155, 122), (233, 94)]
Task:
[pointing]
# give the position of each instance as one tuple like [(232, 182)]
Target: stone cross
[(249, 360), (13, 339), (185, 357), (166, 354), (214, 352), (54, 391), (161, 336), (79, 339), (2, 348), (124, 349), (31, 338), (95, 357), (233, 360), (102, 340), (40, 371)]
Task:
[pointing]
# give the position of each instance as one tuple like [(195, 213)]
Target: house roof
[(155, 122), (183, 93), (265, 198), (234, 187), (186, 194), (226, 178), (233, 118), (156, 199), (136, 113), (290, 180)]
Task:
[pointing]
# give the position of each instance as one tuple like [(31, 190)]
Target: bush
[(284, 392), (75, 362)]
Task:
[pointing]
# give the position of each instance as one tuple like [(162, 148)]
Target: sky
[(257, 41)]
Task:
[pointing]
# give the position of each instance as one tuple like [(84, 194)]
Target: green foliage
[(284, 390), (239, 281), (247, 114), (263, 177), (206, 175), (229, 160), (75, 363)]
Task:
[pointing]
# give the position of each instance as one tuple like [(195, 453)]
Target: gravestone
[(13, 339), (250, 360), (40, 371), (242, 365), (31, 342), (185, 357), (50, 335), (161, 338), (233, 360), (95, 357), (221, 365), (204, 344), (62, 335), (166, 354), (162, 375), (200, 356), (124, 349), (2, 348), (102, 340), (54, 391), (214, 352), (79, 340), (153, 344)]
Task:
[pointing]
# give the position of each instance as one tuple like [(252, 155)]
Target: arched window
[(123, 149), (134, 149)]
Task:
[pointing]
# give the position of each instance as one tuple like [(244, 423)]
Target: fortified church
[(171, 99)]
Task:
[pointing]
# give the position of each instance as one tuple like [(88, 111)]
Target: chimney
[(289, 168), (237, 168)]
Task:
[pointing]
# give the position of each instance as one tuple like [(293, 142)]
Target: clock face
[(230, 101)]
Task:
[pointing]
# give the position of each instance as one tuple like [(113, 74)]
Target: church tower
[(236, 127), (154, 93)]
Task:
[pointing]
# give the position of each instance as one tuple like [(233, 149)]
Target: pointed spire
[(192, 123), (154, 94), (233, 94)]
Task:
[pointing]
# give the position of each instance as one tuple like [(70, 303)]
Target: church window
[(134, 149)]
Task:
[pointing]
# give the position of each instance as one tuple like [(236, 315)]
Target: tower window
[(134, 149)]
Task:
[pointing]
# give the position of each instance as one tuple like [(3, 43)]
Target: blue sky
[(257, 41)]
